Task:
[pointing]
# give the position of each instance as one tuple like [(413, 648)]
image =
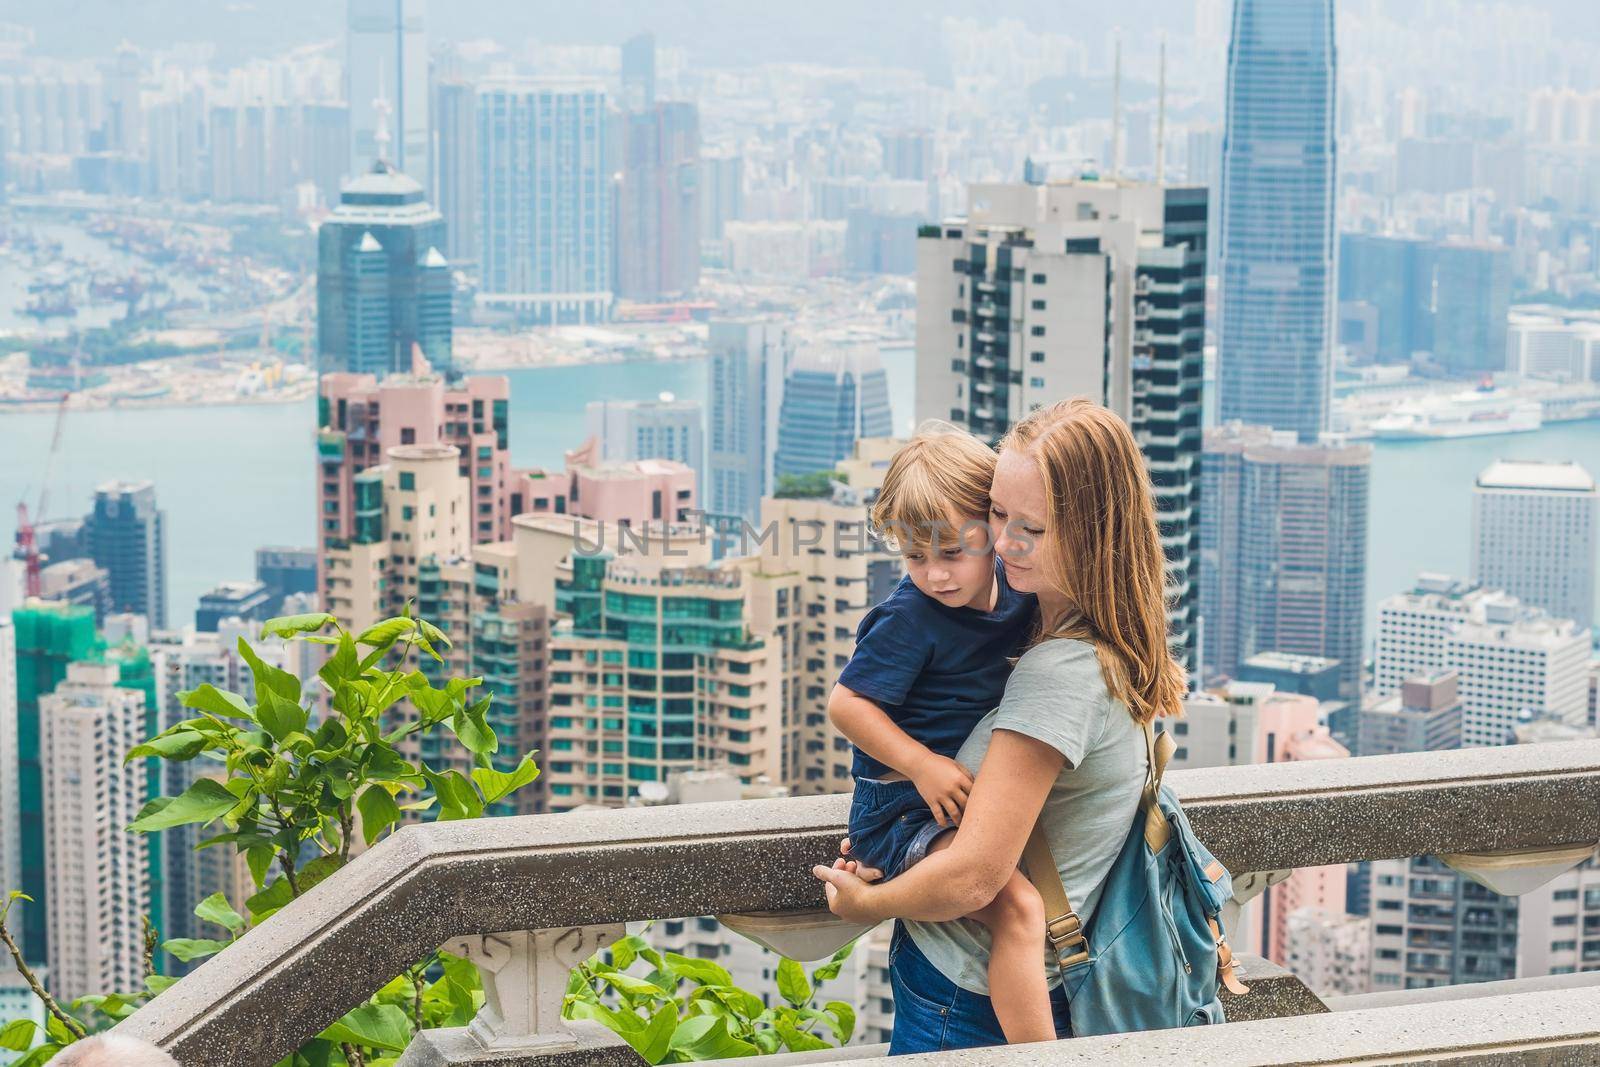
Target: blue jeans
[(933, 1014)]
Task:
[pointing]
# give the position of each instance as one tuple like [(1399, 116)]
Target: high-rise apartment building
[(832, 398), (1329, 950), (749, 364), (386, 59), (1283, 554), (544, 203), (1512, 660), (361, 417), (1277, 256), (49, 637), (384, 288), (658, 203), (454, 154), (1433, 927), (667, 428), (721, 192), (77, 581), (639, 72), (127, 537), (1083, 288), (98, 872), (1536, 535)]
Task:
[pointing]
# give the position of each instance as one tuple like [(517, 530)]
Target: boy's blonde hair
[(936, 483)]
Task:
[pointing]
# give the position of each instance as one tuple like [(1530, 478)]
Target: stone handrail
[(426, 885)]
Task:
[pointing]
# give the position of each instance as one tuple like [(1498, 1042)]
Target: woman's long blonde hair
[(1103, 550)]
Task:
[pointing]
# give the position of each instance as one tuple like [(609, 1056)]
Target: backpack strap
[(1062, 928), (1158, 749)]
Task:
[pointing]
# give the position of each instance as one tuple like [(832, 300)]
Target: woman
[(1074, 523)]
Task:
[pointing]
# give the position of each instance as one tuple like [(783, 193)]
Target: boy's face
[(958, 572)]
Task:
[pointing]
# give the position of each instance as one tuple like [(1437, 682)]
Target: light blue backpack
[(1155, 954)]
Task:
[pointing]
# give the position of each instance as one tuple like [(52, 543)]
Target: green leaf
[(378, 812), (472, 728), (216, 909), (380, 1026), (793, 985), (287, 626), (633, 987), (193, 948), (846, 1015), (57, 1030), (268, 677), (259, 858), (279, 715), (709, 1042), (433, 633), (202, 802), (177, 745), (797, 1040), (457, 798), (624, 951), (830, 970), (697, 970), (768, 1041), (385, 633), (625, 1024), (38, 1056), (653, 1043), (218, 702), (497, 785), (157, 984), (343, 665), (18, 1036)]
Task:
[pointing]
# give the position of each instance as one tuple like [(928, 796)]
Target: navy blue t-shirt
[(936, 670)]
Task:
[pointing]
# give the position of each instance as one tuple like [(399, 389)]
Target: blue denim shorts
[(890, 825)]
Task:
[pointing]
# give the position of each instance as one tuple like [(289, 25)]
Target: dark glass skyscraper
[(126, 536), (831, 399), (383, 285), (1277, 254)]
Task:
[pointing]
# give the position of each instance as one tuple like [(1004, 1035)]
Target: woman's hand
[(847, 892)]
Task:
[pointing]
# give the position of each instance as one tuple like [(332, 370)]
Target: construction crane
[(27, 543)]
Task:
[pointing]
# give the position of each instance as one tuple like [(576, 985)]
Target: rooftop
[(1535, 474)]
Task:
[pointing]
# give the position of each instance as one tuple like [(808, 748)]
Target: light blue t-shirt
[(1057, 695)]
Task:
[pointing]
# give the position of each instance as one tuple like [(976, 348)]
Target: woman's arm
[(1004, 805)]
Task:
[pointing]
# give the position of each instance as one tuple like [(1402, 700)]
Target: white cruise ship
[(1473, 413)]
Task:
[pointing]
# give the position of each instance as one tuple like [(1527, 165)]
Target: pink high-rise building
[(360, 419), (1288, 731)]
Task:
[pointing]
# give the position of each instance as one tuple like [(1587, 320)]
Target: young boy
[(930, 661)]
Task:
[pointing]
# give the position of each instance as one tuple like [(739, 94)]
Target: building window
[(1037, 331), (1036, 383), (408, 482), (1037, 357), (1038, 305), (1038, 279)]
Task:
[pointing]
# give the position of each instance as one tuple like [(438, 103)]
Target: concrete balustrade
[(438, 884)]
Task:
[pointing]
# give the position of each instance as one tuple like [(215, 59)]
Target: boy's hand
[(944, 784)]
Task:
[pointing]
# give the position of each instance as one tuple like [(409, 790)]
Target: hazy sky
[(737, 32)]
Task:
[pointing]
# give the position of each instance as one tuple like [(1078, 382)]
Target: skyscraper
[(649, 429), (639, 72), (658, 214), (48, 638), (544, 203), (1081, 288), (1283, 550), (453, 150), (1536, 533), (98, 872), (386, 57), (127, 538), (749, 362), (832, 398), (1278, 165), (384, 288)]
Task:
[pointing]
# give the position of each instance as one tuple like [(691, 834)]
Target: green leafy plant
[(682, 1009), (292, 795)]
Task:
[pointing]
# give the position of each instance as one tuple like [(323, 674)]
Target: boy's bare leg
[(1017, 988)]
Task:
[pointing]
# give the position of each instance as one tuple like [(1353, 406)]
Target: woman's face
[(1016, 519)]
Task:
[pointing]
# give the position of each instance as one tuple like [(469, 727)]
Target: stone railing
[(527, 897)]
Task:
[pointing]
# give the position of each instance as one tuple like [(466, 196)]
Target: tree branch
[(65, 1018)]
